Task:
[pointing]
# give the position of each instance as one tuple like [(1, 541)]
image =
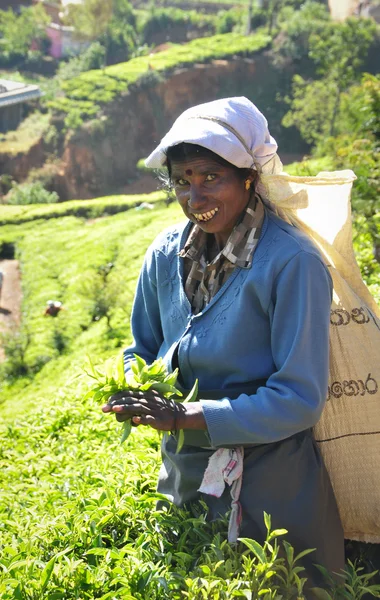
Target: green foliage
[(31, 193), (73, 119), (90, 18), (90, 209), (120, 41), (273, 11), (78, 515), (356, 147), (103, 290), (140, 166), (338, 50), (311, 106), (18, 31), (164, 23), (228, 21), (297, 27), (141, 378), (310, 166), (86, 93), (15, 344), (150, 79), (360, 109), (92, 58), (111, 22), (28, 133), (57, 264)]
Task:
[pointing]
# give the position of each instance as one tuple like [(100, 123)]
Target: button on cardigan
[(268, 322)]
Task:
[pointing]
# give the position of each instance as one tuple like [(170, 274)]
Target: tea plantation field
[(78, 516)]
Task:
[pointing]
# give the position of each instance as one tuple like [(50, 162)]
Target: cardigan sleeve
[(295, 393), (145, 317)]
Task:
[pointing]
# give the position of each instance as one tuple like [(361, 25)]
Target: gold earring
[(247, 184)]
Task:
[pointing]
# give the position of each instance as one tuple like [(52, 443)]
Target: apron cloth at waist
[(287, 479)]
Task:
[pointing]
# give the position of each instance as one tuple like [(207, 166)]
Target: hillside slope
[(77, 510)]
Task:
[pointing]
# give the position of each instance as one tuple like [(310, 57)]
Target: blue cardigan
[(269, 321)]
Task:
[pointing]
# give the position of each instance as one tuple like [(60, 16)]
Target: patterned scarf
[(204, 279)]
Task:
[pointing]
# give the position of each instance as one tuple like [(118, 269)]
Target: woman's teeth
[(206, 216)]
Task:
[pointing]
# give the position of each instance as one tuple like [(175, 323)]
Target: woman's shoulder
[(287, 240), (169, 240)]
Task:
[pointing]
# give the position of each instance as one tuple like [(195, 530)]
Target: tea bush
[(163, 22), (78, 515), (31, 193), (89, 209), (88, 92)]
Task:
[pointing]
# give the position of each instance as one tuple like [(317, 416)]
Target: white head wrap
[(233, 128)]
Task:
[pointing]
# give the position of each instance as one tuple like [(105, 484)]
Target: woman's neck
[(213, 247)]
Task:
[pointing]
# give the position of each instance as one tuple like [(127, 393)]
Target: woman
[(239, 299)]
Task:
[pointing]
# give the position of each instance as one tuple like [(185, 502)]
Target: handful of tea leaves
[(142, 377)]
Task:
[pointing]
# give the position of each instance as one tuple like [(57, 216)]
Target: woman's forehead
[(197, 165)]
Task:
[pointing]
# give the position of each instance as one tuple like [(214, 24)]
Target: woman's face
[(210, 194)]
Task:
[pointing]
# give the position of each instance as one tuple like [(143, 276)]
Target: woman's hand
[(144, 408), (149, 408)]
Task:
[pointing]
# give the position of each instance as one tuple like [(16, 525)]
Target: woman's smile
[(207, 216)]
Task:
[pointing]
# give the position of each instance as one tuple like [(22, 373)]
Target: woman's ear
[(250, 179), (253, 176)]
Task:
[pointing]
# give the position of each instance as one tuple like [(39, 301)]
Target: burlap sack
[(348, 432)]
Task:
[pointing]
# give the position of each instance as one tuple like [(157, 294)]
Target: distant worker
[(53, 308), (1, 281)]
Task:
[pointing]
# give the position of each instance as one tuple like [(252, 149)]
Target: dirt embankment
[(102, 155), (100, 158), (19, 165), (10, 299)]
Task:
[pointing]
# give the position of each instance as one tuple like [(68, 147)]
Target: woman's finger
[(118, 396), (135, 408), (121, 400), (122, 418), (143, 420)]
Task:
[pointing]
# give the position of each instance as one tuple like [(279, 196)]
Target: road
[(10, 300)]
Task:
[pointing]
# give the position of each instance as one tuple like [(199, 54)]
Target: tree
[(339, 50), (273, 8), (297, 27), (312, 103), (111, 22), (18, 31), (90, 18)]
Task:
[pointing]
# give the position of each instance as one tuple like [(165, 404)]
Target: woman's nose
[(196, 198)]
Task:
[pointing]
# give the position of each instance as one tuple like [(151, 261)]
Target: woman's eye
[(181, 182), (210, 177)]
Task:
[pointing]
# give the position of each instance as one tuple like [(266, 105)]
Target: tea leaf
[(140, 363), (127, 428), (255, 547), (321, 594), (120, 373), (192, 396), (180, 440)]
